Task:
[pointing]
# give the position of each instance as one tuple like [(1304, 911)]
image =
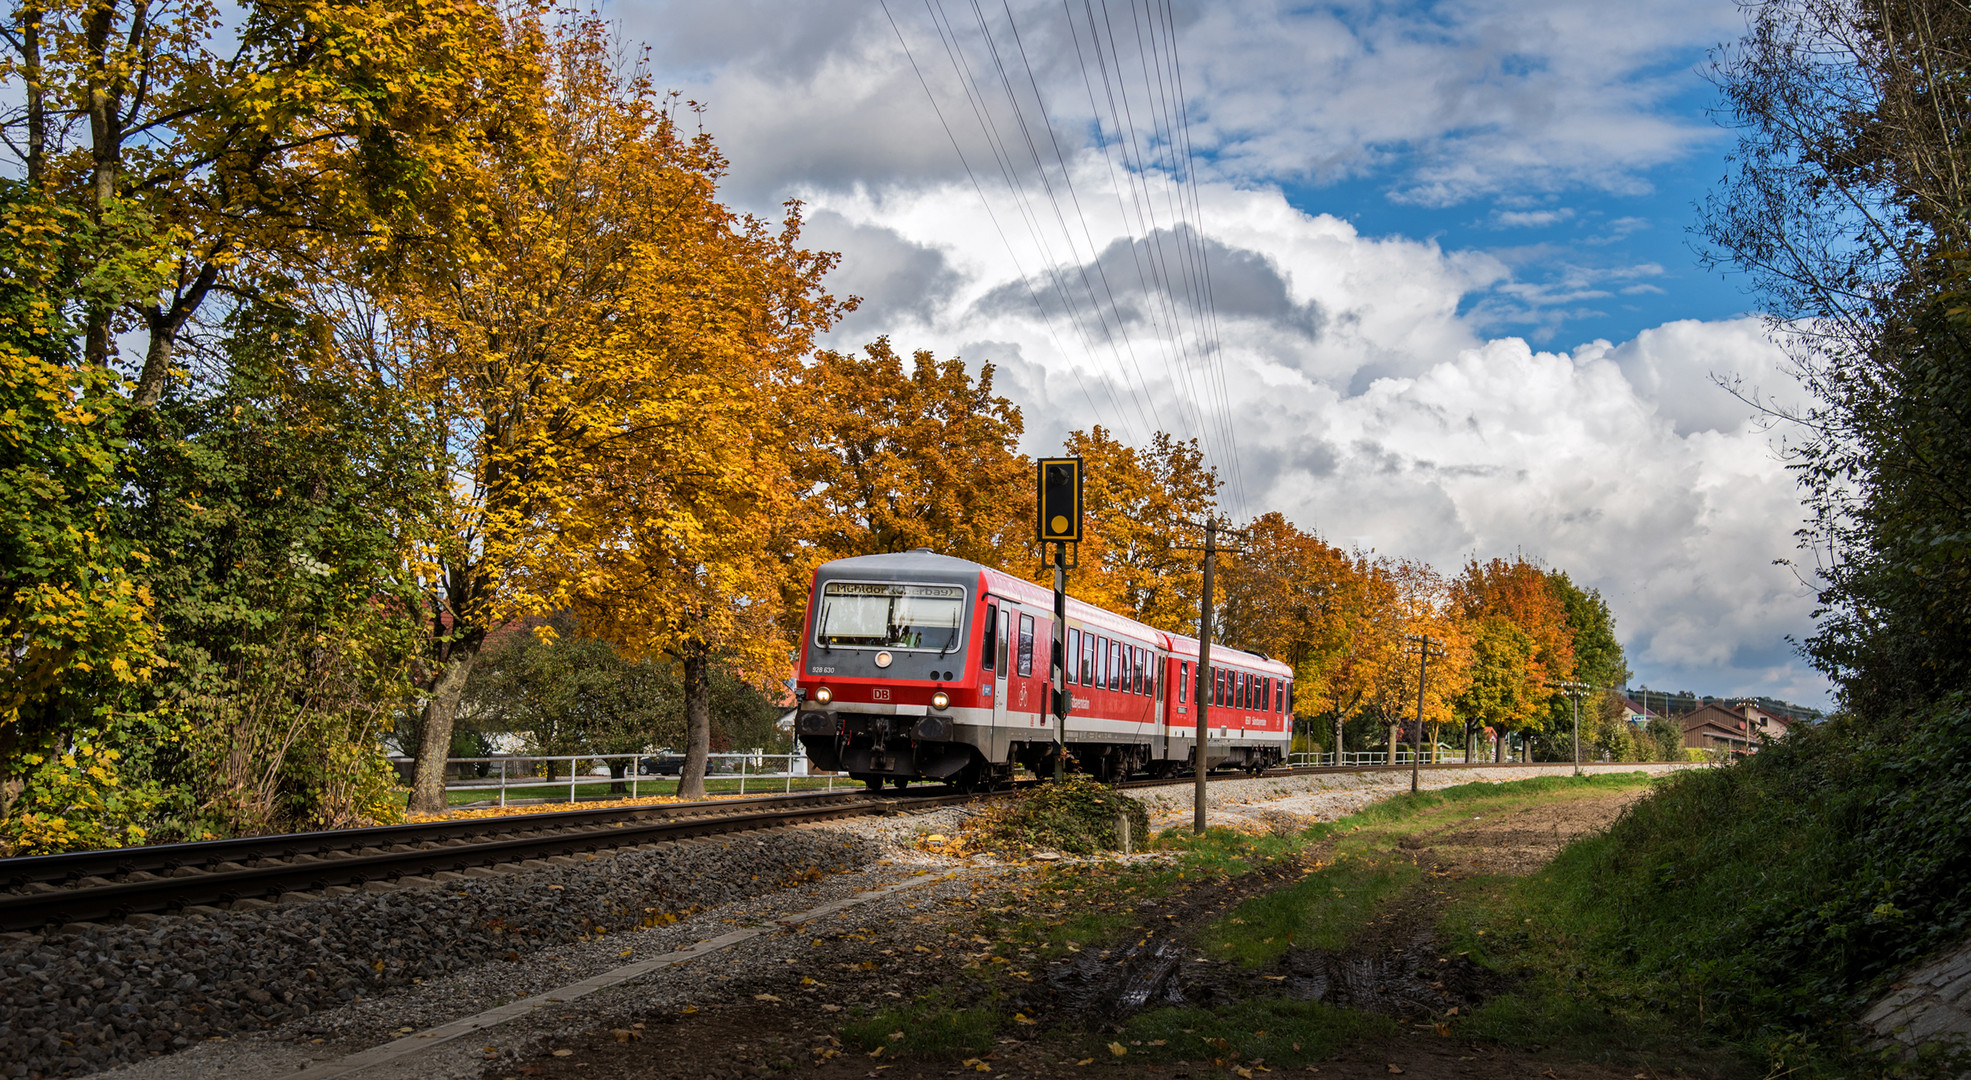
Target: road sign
[(1060, 500)]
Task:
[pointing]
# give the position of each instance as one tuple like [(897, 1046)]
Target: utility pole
[(1574, 690), (1203, 695), (1424, 647), (1201, 698), (1060, 652)]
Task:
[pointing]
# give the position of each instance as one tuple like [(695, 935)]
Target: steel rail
[(33, 910), (161, 859), (310, 862)]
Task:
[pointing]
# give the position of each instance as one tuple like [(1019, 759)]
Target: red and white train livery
[(917, 666)]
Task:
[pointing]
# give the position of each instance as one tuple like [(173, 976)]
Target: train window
[(1132, 680), (991, 633), (1115, 665), (1068, 658), (1026, 645), (1087, 659), (1245, 691), (1183, 683), (1286, 697), (1217, 686), (1101, 663), (1142, 671), (1005, 639), (1265, 695)]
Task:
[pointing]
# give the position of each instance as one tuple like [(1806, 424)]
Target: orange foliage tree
[(1505, 600), (901, 457), (607, 349), (1133, 501)]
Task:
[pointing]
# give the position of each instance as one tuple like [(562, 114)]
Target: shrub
[(1077, 815)]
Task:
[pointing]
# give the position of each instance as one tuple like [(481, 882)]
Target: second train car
[(919, 666)]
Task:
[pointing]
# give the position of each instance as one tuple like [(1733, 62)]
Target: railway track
[(37, 892)]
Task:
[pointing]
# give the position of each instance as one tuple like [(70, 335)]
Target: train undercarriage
[(890, 750)]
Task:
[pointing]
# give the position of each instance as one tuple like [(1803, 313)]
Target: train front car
[(890, 645)]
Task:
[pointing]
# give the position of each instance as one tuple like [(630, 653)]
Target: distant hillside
[(1683, 701)]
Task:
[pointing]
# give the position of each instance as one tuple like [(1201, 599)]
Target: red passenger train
[(917, 666)]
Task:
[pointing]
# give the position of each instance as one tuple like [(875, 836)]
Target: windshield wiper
[(825, 635)]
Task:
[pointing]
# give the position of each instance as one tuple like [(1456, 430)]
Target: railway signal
[(1060, 501), (1059, 524)]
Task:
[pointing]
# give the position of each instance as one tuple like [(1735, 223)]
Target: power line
[(1047, 186), (1174, 348), (1026, 283), (1204, 260)]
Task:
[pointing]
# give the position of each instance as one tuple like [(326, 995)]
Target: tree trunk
[(1338, 739), (1500, 754), (1392, 744), (435, 743), (697, 720)]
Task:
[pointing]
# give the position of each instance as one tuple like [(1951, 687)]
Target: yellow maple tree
[(1134, 558), (605, 349), (906, 456)]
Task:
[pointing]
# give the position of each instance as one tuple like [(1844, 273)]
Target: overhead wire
[(1067, 181), (1190, 181), (1175, 233), (1157, 298), (1047, 186), (989, 129), (1172, 253), (1039, 308)]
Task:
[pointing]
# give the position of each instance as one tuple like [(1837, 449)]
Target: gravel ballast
[(309, 981), (80, 1002)]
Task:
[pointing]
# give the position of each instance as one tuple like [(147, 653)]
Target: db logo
[(879, 695)]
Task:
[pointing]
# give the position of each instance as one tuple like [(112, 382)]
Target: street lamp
[(1574, 690)]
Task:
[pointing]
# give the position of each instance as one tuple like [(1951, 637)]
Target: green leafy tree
[(75, 611), (1850, 209), (279, 507)]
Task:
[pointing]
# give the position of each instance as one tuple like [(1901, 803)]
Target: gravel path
[(271, 992), (1295, 802)]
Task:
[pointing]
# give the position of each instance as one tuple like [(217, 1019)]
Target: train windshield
[(882, 615)]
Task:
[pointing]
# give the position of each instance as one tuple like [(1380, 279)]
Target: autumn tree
[(610, 350), (1287, 593), (906, 455), (242, 139), (1519, 593), (1425, 618), (1134, 504), (185, 155)]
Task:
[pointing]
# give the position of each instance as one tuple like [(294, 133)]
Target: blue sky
[(1458, 309)]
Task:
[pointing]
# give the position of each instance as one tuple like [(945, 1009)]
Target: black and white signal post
[(1059, 524)]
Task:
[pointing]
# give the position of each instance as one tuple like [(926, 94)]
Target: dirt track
[(1394, 968)]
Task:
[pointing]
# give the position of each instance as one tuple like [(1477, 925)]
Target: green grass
[(1366, 868), (1324, 910), (931, 1026), (1749, 911), (1281, 1031)]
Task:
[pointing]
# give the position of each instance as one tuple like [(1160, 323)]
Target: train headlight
[(823, 695), (940, 700)]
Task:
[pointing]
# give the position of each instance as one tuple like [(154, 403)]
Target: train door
[(1000, 668)]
